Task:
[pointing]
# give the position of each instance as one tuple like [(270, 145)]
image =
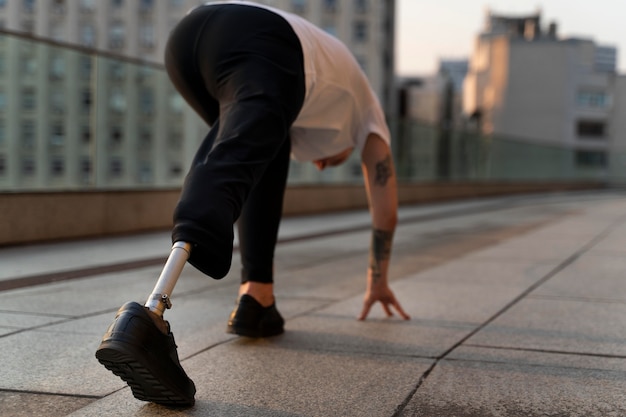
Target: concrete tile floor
[(517, 309)]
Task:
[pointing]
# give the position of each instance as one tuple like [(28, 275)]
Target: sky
[(429, 30)]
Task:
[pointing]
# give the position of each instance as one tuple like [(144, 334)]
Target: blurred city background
[(94, 139)]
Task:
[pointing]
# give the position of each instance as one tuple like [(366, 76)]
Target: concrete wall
[(37, 217)]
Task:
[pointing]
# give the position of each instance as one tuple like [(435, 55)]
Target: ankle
[(263, 293)]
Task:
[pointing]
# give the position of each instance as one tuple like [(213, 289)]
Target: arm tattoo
[(383, 171), (380, 250)]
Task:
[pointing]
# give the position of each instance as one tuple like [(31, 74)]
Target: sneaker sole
[(242, 331), (118, 358)]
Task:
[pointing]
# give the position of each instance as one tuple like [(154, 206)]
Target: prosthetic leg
[(138, 351), (159, 299)]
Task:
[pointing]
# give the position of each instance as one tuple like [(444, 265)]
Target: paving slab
[(562, 325), (45, 258), (266, 378), (597, 275), (26, 260), (479, 271), (497, 383), (16, 404), (60, 358)]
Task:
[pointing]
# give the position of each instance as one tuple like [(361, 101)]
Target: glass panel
[(70, 120)]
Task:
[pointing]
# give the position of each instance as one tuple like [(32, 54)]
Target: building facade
[(140, 28), (70, 119), (525, 82)]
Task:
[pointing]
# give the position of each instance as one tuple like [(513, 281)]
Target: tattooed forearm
[(380, 251), (383, 171)]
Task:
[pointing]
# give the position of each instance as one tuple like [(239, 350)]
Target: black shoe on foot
[(134, 349), (249, 318)]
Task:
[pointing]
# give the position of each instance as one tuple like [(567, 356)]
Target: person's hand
[(384, 295)]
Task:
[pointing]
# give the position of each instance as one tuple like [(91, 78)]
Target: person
[(271, 86)]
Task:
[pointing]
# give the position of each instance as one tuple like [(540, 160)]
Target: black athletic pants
[(241, 68)]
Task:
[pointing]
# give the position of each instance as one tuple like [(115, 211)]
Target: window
[(591, 129), (3, 165), (175, 170), (28, 166), (116, 35), (57, 101), (117, 3), (85, 166), (298, 6), (85, 99), (330, 6), (361, 6), (57, 67), (146, 101), (28, 25), (28, 5), (177, 103), (28, 134), (146, 35), (87, 5), (116, 167), (117, 100), (87, 35), (3, 100), (117, 70), (85, 67), (85, 169), (57, 166), (57, 136), (360, 31), (85, 135), (591, 159), (146, 5), (57, 33), (58, 6), (175, 139), (117, 135), (3, 3), (28, 98), (145, 74), (145, 139), (28, 62), (592, 99), (3, 133), (145, 172)]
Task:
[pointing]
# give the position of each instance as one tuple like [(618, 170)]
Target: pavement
[(517, 304)]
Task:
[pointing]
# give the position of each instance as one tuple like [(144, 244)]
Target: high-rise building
[(139, 28), (83, 120), (525, 82)]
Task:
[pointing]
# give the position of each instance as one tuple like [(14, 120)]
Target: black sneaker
[(134, 349), (249, 318)]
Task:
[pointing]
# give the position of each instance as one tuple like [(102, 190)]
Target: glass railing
[(71, 119), (428, 153)]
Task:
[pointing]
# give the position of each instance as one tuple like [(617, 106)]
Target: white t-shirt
[(340, 108)]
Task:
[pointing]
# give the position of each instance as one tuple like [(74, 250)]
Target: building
[(87, 120), (140, 28), (526, 83), (436, 99), (430, 109)]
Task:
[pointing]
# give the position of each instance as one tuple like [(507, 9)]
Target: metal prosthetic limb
[(159, 300)]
